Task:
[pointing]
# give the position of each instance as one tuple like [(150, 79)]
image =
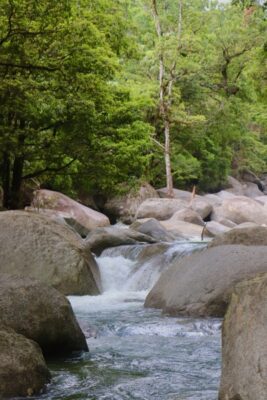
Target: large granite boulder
[(244, 343), (261, 199), (201, 284), (234, 186), (124, 207), (178, 194), (85, 216), (35, 246), (243, 188), (213, 199), (252, 190), (216, 228), (188, 215), (240, 209), (61, 217), (102, 238), (249, 176), (185, 230), (198, 203), (153, 228), (160, 209), (23, 371), (40, 313), (250, 236)]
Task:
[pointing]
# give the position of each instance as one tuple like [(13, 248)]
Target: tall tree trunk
[(17, 171), (163, 104), (167, 155), (6, 179)]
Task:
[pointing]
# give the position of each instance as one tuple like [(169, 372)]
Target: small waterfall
[(138, 267), (129, 272), (135, 352)]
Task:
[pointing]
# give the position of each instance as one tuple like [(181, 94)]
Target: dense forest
[(102, 95)]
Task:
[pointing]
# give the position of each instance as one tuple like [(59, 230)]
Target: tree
[(57, 64)]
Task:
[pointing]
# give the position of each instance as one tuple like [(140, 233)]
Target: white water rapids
[(137, 353)]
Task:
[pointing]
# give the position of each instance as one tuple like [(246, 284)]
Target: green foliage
[(79, 93)]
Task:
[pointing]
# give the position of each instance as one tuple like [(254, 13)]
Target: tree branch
[(47, 169), (28, 66)]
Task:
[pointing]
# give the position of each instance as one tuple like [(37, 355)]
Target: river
[(137, 353)]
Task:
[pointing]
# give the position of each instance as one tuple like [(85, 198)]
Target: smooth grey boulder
[(235, 186), (124, 207), (102, 238), (36, 246), (216, 228), (41, 313), (252, 190), (201, 284), (23, 371), (250, 236), (225, 195), (185, 230), (153, 228), (189, 215), (213, 199), (160, 209), (198, 203), (64, 218), (240, 209), (244, 343), (84, 216), (178, 194), (261, 199)]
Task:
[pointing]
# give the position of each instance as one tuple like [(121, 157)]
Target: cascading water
[(136, 353)]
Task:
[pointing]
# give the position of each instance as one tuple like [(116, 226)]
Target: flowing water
[(137, 353)]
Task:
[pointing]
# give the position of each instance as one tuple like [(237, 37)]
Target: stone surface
[(41, 313), (64, 218), (201, 284), (102, 238), (213, 199), (244, 343), (250, 236), (188, 215), (35, 246), (215, 228), (233, 183), (178, 194), (85, 216), (186, 230), (240, 209), (252, 190), (124, 208), (160, 209), (226, 195), (261, 199), (197, 203), (23, 371), (153, 228), (227, 222)]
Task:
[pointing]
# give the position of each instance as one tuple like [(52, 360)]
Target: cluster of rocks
[(41, 261), (36, 321), (228, 279), (46, 253)]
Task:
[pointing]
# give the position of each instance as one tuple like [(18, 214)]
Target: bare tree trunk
[(163, 104), (169, 179)]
